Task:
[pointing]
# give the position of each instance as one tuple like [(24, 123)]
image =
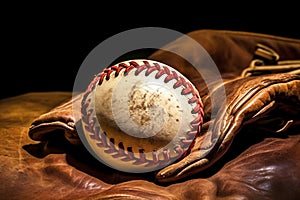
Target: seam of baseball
[(104, 141)]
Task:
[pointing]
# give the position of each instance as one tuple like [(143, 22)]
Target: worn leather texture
[(256, 154)]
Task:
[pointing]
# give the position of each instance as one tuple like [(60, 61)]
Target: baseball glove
[(251, 130)]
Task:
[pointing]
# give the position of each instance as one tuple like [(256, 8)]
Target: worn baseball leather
[(255, 129)]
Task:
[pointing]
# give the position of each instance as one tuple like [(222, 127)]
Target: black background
[(43, 46)]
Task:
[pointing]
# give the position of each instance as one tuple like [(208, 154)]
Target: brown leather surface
[(49, 163), (272, 165), (230, 50)]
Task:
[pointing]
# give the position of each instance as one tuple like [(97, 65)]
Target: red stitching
[(102, 140), (142, 159), (111, 146), (130, 155), (119, 152)]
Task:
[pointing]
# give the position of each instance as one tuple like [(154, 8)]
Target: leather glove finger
[(269, 101)]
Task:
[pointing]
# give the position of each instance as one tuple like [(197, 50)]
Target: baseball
[(140, 115)]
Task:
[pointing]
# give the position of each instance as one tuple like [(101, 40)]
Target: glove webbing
[(267, 61)]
